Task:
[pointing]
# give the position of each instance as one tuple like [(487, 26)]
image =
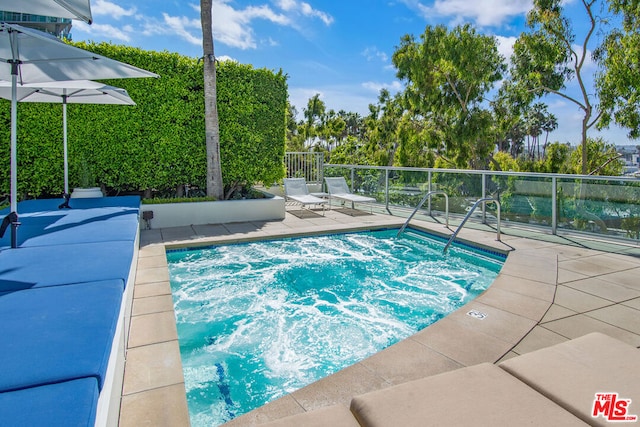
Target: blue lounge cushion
[(43, 224), (69, 404), (58, 333), (41, 266)]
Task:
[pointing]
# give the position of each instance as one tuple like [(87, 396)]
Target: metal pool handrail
[(424, 199), (473, 208)]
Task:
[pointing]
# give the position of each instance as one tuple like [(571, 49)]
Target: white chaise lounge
[(338, 189), (296, 189)]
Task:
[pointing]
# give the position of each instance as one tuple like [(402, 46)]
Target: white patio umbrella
[(31, 56), (68, 92), (73, 9)]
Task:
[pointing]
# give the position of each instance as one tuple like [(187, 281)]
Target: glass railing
[(591, 204)]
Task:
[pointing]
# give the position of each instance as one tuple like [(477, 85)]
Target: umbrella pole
[(14, 152), (64, 144)]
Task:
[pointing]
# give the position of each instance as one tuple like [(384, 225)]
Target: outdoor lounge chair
[(337, 188), (296, 189)]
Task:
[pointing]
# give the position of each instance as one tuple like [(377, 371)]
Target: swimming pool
[(259, 320)]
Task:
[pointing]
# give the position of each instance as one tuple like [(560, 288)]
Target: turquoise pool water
[(259, 320)]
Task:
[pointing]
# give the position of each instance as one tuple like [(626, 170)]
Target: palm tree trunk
[(215, 187)]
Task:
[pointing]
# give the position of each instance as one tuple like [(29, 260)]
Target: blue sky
[(339, 49)]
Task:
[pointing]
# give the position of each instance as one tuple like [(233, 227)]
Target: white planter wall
[(219, 212)]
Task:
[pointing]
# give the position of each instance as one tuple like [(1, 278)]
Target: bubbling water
[(262, 319)]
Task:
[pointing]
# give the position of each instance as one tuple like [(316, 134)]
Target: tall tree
[(547, 57), (215, 187), (447, 76), (619, 81)]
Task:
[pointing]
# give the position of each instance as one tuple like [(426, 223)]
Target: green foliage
[(160, 142), (447, 75), (162, 200), (602, 159)]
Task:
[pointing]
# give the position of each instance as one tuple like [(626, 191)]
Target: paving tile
[(619, 315), (557, 312), (151, 275), (152, 289), (566, 276), (462, 344), (152, 304), (160, 407), (501, 324), (152, 328), (153, 261), (177, 233), (634, 303), (539, 337), (603, 289), (408, 360), (577, 300), (580, 324), (152, 366), (279, 408), (512, 302), (532, 288), (628, 278), (151, 250), (598, 264), (338, 388)]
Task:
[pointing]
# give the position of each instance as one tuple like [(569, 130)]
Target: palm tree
[(212, 130)]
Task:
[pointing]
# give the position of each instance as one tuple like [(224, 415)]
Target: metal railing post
[(386, 188), (554, 205), (484, 195)]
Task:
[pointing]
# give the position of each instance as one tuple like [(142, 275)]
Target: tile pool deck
[(550, 290)]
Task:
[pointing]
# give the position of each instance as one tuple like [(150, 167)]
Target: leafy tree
[(382, 128), (447, 76), (603, 158), (313, 114), (618, 83), (546, 58), (215, 186)]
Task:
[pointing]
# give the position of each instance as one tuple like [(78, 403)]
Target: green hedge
[(159, 143)]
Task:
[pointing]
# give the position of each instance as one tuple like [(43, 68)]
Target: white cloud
[(304, 9), (484, 13), (376, 87), (107, 8), (107, 31), (505, 46), (372, 53), (182, 27)]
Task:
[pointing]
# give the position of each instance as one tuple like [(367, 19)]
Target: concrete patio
[(550, 290)]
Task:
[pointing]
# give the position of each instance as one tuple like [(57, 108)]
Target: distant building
[(59, 27), (630, 155)]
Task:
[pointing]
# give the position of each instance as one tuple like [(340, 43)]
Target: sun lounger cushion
[(41, 205), (481, 395), (43, 234), (41, 227), (41, 266), (70, 403), (571, 373), (333, 416), (57, 333)]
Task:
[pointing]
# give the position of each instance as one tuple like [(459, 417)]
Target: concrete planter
[(219, 212), (83, 193)]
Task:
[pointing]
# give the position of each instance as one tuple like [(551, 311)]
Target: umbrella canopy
[(68, 92), (31, 56), (73, 9)]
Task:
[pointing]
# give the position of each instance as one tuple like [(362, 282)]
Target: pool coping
[(491, 327)]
